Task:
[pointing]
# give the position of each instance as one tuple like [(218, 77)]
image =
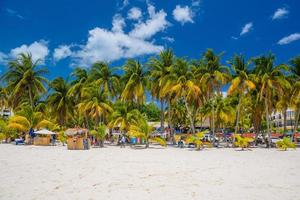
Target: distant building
[(6, 113), (278, 119)]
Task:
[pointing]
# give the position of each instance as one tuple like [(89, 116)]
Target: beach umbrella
[(44, 132)]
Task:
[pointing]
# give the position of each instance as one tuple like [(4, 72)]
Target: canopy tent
[(44, 132)]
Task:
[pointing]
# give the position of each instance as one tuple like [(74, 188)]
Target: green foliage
[(285, 143), (62, 137), (197, 140), (2, 137), (144, 131), (100, 133), (241, 141), (151, 111)]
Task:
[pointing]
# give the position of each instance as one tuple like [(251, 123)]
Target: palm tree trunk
[(238, 115), (268, 123), (284, 120), (170, 122), (2, 110), (213, 123), (296, 122), (30, 96), (190, 116), (162, 117), (147, 143)]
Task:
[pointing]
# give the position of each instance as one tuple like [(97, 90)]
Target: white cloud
[(289, 39), (124, 4), (134, 13), (183, 14), (3, 58), (38, 50), (280, 13), (248, 27), (169, 39), (196, 3), (61, 52), (157, 22), (104, 45), (13, 13), (110, 45), (118, 23)]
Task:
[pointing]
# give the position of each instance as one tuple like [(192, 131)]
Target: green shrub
[(285, 143)]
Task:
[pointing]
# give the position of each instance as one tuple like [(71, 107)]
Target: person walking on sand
[(123, 141)]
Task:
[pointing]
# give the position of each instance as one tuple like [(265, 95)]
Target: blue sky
[(66, 34)]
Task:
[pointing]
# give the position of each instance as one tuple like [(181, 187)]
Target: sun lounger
[(19, 141)]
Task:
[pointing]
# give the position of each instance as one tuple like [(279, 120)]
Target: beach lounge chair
[(19, 141)]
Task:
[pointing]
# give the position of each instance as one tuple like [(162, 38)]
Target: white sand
[(30, 172)]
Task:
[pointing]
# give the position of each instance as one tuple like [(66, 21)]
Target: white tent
[(44, 132)]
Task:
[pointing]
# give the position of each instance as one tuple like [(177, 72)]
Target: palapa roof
[(75, 131), (44, 132)]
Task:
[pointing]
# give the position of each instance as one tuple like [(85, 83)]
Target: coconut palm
[(145, 131), (212, 76), (60, 103), (95, 104), (26, 118), (100, 134), (81, 77), (107, 81), (135, 79), (3, 99), (272, 80), (241, 82), (295, 78), (182, 84), (160, 68), (123, 117), (25, 78)]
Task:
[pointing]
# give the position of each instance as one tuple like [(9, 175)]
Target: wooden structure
[(41, 141), (76, 139), (42, 137)]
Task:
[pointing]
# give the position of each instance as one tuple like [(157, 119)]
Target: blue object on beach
[(19, 141), (133, 140), (31, 133)]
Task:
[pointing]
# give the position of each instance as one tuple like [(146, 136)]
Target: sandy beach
[(31, 172)]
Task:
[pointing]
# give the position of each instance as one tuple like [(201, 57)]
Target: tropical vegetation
[(175, 90)]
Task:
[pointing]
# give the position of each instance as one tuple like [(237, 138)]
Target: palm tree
[(212, 76), (295, 77), (241, 82), (81, 77), (61, 104), (26, 118), (182, 84), (144, 131), (3, 99), (123, 117), (95, 104), (272, 80), (25, 78), (135, 79), (107, 81), (160, 68)]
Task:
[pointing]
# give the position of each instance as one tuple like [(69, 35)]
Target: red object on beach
[(297, 135), (248, 135), (276, 135)]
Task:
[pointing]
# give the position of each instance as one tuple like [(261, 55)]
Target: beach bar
[(43, 137), (77, 139)]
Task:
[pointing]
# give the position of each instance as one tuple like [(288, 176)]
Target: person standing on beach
[(123, 141)]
